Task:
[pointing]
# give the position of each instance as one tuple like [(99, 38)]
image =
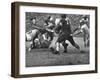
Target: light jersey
[(31, 34), (85, 20), (85, 30), (49, 24), (57, 21)]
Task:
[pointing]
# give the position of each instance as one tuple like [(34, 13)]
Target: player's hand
[(52, 30), (71, 34)]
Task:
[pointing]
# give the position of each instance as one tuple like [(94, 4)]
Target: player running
[(64, 29)]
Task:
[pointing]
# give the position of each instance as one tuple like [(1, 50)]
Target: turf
[(44, 57)]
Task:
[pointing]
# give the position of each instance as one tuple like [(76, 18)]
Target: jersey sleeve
[(82, 28)]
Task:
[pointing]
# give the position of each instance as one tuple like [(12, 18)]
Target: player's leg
[(35, 36), (50, 35), (65, 45), (71, 40), (33, 45), (56, 45), (52, 45), (60, 39), (57, 48), (85, 39), (88, 43)]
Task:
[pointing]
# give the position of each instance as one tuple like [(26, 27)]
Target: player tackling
[(64, 29)]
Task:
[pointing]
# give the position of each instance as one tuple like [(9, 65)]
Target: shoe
[(51, 48), (65, 51), (65, 45), (82, 51), (34, 47), (56, 52)]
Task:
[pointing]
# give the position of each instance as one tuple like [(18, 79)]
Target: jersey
[(49, 24), (31, 34), (64, 27), (85, 30)]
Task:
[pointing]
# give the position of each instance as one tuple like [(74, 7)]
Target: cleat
[(82, 51), (52, 49), (56, 52), (65, 51), (33, 47), (65, 45)]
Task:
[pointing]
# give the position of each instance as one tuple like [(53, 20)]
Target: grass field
[(43, 57)]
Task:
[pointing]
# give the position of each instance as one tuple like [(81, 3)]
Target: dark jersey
[(46, 22), (64, 27), (49, 24)]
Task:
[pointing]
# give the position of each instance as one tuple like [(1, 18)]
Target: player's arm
[(78, 28), (77, 32), (49, 30)]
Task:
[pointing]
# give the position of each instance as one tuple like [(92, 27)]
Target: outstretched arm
[(49, 30), (76, 32)]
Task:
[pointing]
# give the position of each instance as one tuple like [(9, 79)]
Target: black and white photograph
[(57, 39), (51, 39)]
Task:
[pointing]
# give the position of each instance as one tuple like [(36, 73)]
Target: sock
[(44, 37), (57, 46)]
